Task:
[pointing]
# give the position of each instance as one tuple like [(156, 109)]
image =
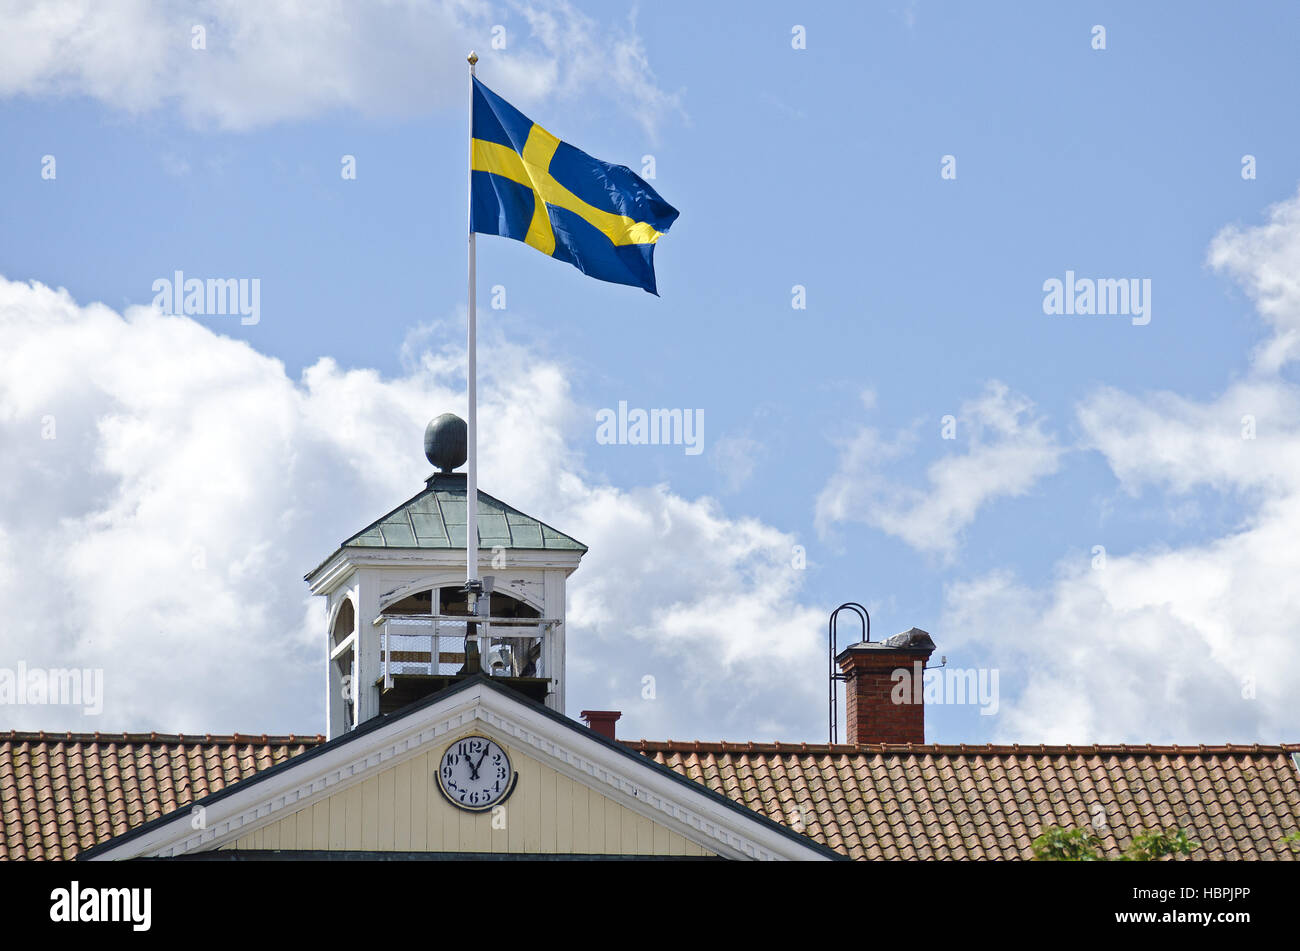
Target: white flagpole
[(471, 480)]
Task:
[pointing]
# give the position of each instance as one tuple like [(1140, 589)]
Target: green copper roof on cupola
[(436, 517)]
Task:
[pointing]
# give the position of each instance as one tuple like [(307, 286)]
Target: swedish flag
[(528, 185)]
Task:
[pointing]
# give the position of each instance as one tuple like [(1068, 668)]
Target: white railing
[(434, 644)]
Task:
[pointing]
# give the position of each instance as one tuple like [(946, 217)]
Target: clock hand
[(480, 763)]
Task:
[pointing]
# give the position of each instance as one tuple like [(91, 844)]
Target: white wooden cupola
[(397, 610)]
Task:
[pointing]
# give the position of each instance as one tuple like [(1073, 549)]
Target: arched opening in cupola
[(344, 661), (453, 602)]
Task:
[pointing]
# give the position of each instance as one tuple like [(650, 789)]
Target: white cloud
[(278, 60), (581, 58), (1194, 643), (1007, 452), (163, 533), (1168, 441), (1265, 260), (1191, 645)]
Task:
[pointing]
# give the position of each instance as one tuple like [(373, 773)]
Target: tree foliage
[(1067, 845), (1057, 844)]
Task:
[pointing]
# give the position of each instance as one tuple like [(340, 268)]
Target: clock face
[(475, 774)]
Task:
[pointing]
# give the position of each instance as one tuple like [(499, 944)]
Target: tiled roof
[(63, 792), (436, 519), (989, 802)]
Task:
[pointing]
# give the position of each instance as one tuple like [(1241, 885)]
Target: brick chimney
[(870, 669), (602, 721)]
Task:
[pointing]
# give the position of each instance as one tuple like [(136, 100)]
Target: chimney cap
[(912, 640), (602, 721)]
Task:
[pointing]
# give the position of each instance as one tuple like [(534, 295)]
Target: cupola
[(399, 621)]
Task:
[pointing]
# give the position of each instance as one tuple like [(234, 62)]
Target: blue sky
[(817, 167)]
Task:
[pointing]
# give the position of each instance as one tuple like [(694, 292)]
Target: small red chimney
[(602, 721), (884, 702)]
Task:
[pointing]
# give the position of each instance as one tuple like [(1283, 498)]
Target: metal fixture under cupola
[(400, 622)]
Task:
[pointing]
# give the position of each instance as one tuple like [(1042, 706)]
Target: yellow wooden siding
[(401, 809)]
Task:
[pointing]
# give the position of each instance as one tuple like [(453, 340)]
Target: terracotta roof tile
[(61, 793), (886, 801)]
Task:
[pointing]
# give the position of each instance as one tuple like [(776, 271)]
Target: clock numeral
[(466, 759)]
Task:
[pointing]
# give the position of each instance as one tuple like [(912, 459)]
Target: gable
[(581, 763), (401, 809)]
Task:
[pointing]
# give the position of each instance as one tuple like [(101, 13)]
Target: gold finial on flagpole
[(472, 57)]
